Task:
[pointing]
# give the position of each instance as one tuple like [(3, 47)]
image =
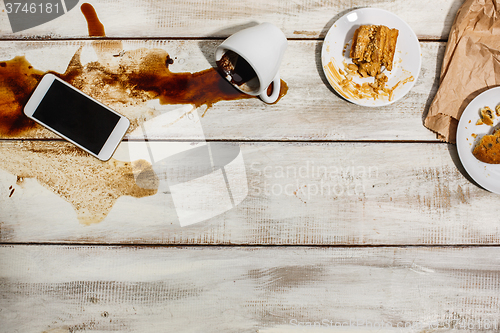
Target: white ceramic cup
[(262, 47)]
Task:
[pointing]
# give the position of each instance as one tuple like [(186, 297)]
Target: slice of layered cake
[(373, 46)]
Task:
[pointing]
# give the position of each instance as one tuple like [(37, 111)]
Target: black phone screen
[(76, 116)]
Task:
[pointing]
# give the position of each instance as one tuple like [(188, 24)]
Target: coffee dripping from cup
[(238, 71), (250, 60)]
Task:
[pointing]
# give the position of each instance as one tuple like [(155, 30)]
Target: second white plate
[(468, 134)]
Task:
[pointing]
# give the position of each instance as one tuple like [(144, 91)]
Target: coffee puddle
[(124, 80), (17, 80), (89, 185)]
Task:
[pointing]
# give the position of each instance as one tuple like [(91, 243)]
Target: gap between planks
[(51, 39), (245, 141), (254, 246)]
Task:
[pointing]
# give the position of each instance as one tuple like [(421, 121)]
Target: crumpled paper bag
[(471, 65)]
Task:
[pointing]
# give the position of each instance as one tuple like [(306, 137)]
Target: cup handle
[(276, 91)]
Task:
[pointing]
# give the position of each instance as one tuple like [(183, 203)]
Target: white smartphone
[(76, 117)]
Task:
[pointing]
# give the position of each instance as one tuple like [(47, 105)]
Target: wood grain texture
[(221, 18), (298, 193), (211, 289), (337, 194), (311, 110)]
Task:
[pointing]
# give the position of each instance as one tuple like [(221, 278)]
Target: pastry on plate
[(373, 47), (488, 148)]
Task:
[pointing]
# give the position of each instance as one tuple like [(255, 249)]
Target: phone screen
[(76, 116)]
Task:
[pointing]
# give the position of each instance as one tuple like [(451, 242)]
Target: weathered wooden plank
[(309, 111), (298, 193), (205, 18), (107, 289)]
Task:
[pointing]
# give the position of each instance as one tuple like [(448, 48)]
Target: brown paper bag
[(471, 65)]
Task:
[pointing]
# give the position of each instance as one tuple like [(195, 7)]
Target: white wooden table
[(403, 242)]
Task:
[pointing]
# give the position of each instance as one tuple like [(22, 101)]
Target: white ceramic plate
[(407, 59), (486, 175)]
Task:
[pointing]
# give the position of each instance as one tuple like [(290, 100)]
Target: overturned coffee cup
[(250, 60)]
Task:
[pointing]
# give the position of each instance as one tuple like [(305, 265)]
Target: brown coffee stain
[(96, 28), (125, 81), (88, 184), (17, 80)]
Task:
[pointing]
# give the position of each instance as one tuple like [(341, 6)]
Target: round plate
[(337, 44), (468, 134)]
